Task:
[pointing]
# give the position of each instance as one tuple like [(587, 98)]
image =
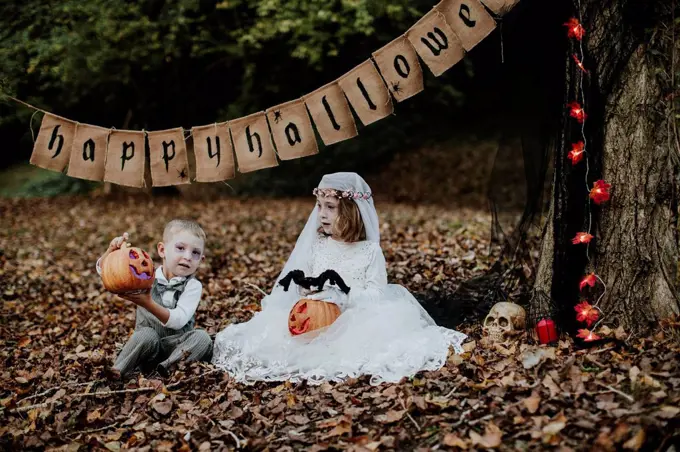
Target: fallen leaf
[(453, 440), (113, 446), (551, 385), (390, 416), (163, 407), (340, 429), (135, 440), (491, 439), (533, 357), (469, 346), (298, 419), (636, 441), (667, 412), (93, 416), (555, 426), (532, 403)]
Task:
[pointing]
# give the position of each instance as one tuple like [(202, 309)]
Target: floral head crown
[(349, 194)]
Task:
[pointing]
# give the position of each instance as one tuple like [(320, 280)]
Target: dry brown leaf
[(555, 426), (113, 446), (163, 407), (390, 417), (340, 429), (531, 357), (532, 403), (298, 419), (93, 416), (551, 385), (453, 440), (636, 441), (667, 412), (491, 439)]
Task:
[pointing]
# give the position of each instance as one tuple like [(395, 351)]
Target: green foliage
[(66, 53), (29, 181)]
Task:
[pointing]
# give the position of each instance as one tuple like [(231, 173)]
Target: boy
[(164, 328)]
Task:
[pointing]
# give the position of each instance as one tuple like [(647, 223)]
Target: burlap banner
[(331, 114), (168, 157), (440, 38), (88, 153), (292, 130), (435, 42), (252, 143), (52, 148), (125, 158), (214, 153), (468, 19), (398, 63), (367, 93), (500, 7)]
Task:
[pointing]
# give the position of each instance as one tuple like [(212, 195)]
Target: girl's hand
[(304, 292), (331, 295)]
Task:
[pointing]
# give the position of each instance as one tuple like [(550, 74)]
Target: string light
[(575, 29), (576, 153), (581, 237), (576, 111), (599, 193), (579, 63)]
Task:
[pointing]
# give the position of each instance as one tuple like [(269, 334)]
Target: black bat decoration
[(299, 278)]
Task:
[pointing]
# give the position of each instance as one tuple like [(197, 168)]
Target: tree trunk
[(631, 144), (636, 253)]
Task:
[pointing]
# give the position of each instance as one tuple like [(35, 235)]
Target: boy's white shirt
[(187, 303)]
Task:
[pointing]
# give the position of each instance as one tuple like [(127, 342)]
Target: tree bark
[(630, 143), (636, 252)]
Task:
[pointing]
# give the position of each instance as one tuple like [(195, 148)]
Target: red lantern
[(546, 331)]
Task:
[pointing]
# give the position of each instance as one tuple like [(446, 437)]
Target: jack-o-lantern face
[(127, 269), (310, 315), (140, 266)]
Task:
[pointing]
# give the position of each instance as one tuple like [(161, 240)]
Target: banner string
[(31, 125), (32, 107)]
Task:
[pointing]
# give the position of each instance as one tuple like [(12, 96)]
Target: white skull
[(503, 319)]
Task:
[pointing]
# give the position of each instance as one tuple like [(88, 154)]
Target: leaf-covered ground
[(59, 329)]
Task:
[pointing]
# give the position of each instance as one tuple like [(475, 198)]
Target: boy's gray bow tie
[(172, 285)]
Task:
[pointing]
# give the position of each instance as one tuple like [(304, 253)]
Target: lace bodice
[(360, 264), (352, 261)]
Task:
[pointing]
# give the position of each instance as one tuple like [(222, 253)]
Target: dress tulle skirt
[(388, 339)]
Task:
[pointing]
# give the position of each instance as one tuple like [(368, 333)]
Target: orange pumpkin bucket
[(309, 315), (127, 269)]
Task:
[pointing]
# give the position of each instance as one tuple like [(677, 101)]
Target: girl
[(382, 330)]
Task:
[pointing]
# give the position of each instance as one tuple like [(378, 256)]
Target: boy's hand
[(140, 299), (117, 243)]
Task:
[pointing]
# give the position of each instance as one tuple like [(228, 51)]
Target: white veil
[(300, 257)]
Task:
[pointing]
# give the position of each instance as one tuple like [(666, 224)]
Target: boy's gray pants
[(149, 345)]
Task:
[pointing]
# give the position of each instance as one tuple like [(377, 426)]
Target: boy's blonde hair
[(178, 225)]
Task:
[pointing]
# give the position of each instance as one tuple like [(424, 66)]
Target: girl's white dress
[(382, 332)]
